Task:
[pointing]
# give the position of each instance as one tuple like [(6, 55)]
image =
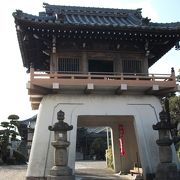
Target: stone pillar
[(115, 149), (166, 169), (60, 170)]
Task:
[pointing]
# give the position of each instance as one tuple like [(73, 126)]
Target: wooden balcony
[(42, 83)]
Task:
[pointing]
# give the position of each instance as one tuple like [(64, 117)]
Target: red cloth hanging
[(121, 140)]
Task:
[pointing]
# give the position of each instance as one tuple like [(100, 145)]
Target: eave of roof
[(91, 17), (86, 23), (57, 19)]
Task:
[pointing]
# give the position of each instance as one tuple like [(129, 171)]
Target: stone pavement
[(17, 172), (85, 170), (96, 170)]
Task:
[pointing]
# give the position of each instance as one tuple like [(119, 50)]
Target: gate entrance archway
[(91, 143), (128, 112), (124, 145)]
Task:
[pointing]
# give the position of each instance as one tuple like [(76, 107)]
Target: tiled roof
[(33, 118), (86, 16), (97, 130), (71, 22), (90, 16), (95, 16), (173, 25)]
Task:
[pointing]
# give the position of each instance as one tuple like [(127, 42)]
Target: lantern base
[(167, 171), (60, 171), (50, 177)]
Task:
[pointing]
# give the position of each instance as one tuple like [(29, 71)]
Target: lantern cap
[(60, 125)]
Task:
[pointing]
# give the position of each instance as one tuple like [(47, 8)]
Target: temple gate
[(92, 63)]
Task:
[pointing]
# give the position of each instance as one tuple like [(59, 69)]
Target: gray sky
[(13, 94)]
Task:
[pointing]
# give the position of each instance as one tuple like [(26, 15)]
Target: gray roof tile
[(88, 16)]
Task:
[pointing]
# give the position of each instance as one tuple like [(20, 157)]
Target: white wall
[(144, 109)]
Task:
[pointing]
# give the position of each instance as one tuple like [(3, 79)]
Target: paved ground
[(92, 170), (13, 172)]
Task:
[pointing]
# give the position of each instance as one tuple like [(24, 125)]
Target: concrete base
[(35, 178), (138, 177), (60, 170), (167, 171), (50, 177), (61, 177)]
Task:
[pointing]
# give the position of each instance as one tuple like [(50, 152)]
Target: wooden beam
[(89, 88), (121, 89), (38, 90), (33, 100), (35, 106), (161, 91), (152, 89)]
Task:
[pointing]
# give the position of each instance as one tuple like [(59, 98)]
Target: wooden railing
[(45, 82), (100, 76)]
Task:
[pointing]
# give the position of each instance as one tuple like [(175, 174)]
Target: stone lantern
[(60, 170), (166, 169)]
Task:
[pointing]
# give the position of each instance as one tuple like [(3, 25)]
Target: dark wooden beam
[(122, 88), (34, 99), (89, 88), (38, 90), (35, 106)]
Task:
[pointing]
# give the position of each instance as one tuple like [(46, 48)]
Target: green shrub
[(178, 150), (109, 158)]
